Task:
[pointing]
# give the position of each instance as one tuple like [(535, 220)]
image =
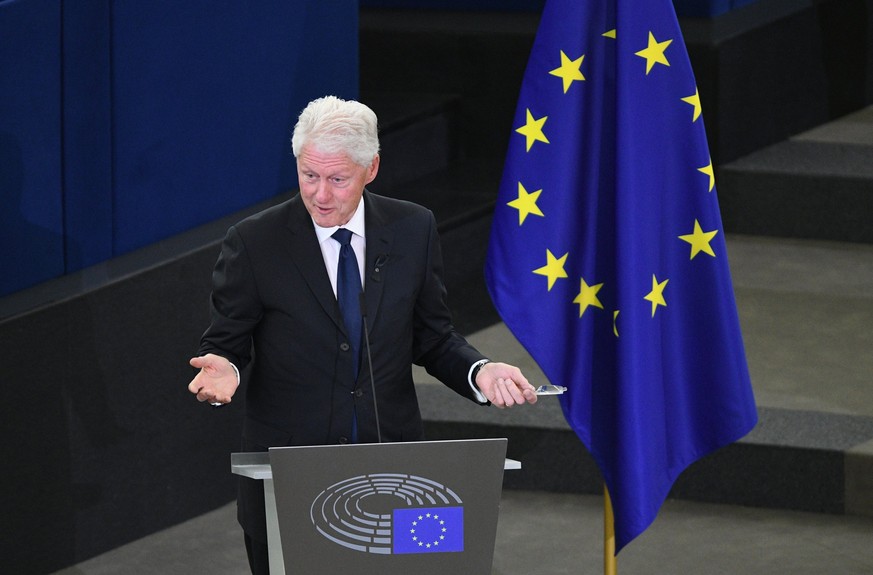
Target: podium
[(389, 508)]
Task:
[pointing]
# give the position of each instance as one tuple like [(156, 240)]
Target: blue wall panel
[(124, 123), (31, 230), (87, 133), (204, 97)]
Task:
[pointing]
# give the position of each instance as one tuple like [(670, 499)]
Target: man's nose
[(323, 190)]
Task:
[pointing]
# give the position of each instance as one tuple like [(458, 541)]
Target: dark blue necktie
[(348, 290)]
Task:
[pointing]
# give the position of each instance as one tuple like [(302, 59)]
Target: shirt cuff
[(480, 397)]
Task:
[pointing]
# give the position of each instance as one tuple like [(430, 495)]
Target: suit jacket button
[(344, 346), (343, 440), (358, 393)]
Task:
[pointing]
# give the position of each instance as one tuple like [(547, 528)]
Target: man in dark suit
[(278, 290)]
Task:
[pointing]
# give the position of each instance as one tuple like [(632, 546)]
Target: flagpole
[(610, 564)]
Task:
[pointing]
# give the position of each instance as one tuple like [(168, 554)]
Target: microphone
[(380, 262), (363, 305)]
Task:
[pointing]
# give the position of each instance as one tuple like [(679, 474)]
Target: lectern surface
[(395, 508)]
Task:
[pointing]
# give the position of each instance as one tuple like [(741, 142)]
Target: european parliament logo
[(390, 513)]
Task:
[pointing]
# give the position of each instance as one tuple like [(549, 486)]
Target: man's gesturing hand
[(504, 385), (217, 380)]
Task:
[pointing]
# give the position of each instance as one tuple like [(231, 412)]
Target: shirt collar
[(355, 225)]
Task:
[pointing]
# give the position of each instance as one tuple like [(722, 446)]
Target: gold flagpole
[(610, 564)]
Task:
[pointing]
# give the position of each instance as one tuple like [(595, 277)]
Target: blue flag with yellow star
[(607, 257)]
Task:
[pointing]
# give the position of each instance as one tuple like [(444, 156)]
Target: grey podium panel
[(392, 508)]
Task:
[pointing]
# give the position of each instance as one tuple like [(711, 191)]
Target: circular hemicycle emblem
[(390, 513)]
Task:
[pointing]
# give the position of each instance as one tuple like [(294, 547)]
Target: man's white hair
[(333, 125)]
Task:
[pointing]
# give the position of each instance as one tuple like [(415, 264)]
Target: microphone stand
[(363, 306)]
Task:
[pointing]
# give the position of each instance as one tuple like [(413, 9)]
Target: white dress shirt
[(330, 248)]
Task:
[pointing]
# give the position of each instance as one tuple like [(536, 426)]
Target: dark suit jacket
[(272, 296)]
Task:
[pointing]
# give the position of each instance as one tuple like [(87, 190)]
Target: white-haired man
[(278, 288)]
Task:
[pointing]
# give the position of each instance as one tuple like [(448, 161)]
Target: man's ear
[(373, 169)]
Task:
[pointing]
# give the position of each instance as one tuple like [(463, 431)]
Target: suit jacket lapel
[(380, 240), (306, 255)]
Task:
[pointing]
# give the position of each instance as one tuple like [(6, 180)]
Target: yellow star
[(709, 172), (587, 296), (609, 34), (533, 130), (656, 296), (654, 53), (526, 203), (554, 268), (569, 71), (694, 101), (615, 322), (699, 240)]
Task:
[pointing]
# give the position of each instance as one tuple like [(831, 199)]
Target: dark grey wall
[(103, 442)]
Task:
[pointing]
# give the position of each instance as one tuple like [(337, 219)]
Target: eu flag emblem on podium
[(607, 257), (428, 530)]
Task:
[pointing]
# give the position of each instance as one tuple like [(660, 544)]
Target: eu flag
[(428, 530), (607, 257)]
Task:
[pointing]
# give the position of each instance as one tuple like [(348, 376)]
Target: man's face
[(331, 185)]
